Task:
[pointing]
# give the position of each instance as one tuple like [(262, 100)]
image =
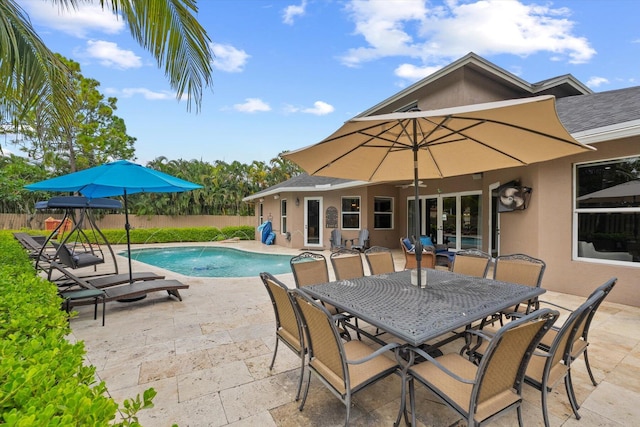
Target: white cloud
[(319, 108), (293, 11), (228, 58), (597, 81), (252, 105), (110, 55), (438, 34), (413, 72), (147, 94), (76, 22)]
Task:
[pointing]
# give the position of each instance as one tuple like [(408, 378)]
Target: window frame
[(283, 216), (576, 211), (390, 214), (350, 213)]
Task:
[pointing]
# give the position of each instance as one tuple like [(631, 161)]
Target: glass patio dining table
[(417, 315)]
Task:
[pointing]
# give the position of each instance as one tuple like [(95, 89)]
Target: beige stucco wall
[(544, 230)]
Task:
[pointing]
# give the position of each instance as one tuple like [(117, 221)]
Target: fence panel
[(37, 221)]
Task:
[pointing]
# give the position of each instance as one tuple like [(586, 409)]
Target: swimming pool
[(205, 261)]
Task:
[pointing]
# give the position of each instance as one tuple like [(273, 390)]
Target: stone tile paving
[(208, 358)]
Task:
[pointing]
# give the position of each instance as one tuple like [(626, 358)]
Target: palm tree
[(31, 75)]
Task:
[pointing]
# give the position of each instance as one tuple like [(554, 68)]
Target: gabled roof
[(566, 84)]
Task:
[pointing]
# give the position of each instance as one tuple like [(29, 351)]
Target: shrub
[(43, 380), (169, 235)]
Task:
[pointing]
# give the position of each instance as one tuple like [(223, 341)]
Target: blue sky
[(290, 72)]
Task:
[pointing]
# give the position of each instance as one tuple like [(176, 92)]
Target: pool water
[(203, 261)]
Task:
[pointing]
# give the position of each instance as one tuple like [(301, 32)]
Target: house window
[(351, 213), (283, 216), (383, 213), (607, 210)]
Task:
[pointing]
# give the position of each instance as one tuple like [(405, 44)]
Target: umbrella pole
[(127, 227), (416, 214)]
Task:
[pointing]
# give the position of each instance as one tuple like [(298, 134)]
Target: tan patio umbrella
[(441, 143)]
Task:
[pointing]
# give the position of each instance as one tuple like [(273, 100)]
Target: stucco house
[(584, 236)]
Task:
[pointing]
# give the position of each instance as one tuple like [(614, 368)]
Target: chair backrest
[(560, 349), (472, 262), (380, 260), (503, 365), (347, 264), (309, 269), (336, 239), (363, 236), (326, 351), (287, 324), (519, 268), (605, 288)]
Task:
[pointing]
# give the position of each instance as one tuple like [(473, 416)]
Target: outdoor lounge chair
[(410, 262), (67, 278), (336, 240), (380, 260), (472, 262), (122, 292), (288, 327), (361, 242), (481, 392), (343, 367), (34, 246)]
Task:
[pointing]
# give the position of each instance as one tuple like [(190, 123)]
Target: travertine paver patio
[(208, 357)]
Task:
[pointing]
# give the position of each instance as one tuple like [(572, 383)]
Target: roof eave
[(306, 189), (608, 133)]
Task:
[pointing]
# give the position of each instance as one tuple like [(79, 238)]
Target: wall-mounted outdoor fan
[(513, 197)]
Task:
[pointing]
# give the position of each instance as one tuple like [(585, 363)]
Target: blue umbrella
[(117, 178)]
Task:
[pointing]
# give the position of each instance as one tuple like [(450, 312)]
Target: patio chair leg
[(568, 383), (519, 411), (412, 401), (275, 351), (586, 362), (545, 414), (348, 404), (302, 357), (306, 392)]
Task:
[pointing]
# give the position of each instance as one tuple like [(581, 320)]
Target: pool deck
[(208, 358)]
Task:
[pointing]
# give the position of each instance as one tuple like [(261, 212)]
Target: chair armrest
[(444, 369), (375, 354), (555, 305)]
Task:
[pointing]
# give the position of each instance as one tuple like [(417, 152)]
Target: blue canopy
[(115, 179)]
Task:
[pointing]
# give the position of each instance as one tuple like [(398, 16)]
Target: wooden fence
[(38, 221)]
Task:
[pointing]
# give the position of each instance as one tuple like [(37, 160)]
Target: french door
[(452, 219), (313, 221)]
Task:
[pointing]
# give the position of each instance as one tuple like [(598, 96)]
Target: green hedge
[(43, 381), (168, 235)]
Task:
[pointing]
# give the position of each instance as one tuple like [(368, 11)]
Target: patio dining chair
[(347, 264), (580, 339), (547, 368), (484, 391), (288, 326), (311, 268), (523, 270), (471, 262), (380, 260), (345, 368)]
